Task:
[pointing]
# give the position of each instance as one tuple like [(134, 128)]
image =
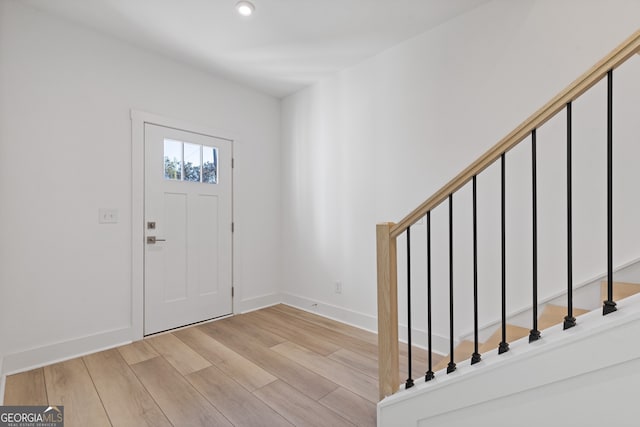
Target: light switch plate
[(107, 216)]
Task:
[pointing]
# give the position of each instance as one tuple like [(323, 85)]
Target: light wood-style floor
[(278, 366)]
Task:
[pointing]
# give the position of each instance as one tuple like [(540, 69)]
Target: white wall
[(65, 149), (369, 144)]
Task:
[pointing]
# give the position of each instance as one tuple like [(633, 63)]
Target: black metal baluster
[(409, 382), (569, 320), (609, 305), (452, 365), (429, 375), (475, 357), (534, 334), (504, 345)]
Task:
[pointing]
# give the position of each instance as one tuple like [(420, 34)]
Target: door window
[(184, 161)]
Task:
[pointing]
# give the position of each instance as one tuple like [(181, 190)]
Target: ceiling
[(284, 46)]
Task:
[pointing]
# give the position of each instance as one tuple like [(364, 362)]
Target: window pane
[(172, 159), (210, 165), (192, 162)]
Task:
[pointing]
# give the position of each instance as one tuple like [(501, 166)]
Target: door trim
[(138, 120)]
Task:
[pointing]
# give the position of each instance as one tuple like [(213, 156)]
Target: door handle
[(151, 240)]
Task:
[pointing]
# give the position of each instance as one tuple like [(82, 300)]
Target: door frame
[(138, 120)]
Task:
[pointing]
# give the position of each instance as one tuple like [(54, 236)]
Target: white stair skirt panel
[(587, 374)]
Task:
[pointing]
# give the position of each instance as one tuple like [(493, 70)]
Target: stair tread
[(462, 352), (554, 314), (551, 315), (513, 333), (621, 290)]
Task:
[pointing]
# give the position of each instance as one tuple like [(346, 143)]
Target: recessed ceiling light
[(245, 8)]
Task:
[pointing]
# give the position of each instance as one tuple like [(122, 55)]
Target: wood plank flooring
[(278, 366)]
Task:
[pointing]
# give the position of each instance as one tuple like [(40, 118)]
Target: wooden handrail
[(618, 56), (387, 233)]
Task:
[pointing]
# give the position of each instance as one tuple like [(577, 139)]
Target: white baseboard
[(58, 352), (439, 343), (48, 354), (363, 321), (42, 356), (350, 317), (257, 303)]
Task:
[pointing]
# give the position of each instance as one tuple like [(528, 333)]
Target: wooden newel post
[(388, 365)]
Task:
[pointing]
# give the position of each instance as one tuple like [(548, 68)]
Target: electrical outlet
[(338, 288)]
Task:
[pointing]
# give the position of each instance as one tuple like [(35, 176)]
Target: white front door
[(188, 220)]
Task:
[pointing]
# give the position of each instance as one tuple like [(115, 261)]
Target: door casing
[(138, 120)]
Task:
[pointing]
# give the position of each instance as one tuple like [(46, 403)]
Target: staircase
[(587, 375), (568, 358), (551, 315)]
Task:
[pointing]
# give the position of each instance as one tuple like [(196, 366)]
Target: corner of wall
[(257, 303)]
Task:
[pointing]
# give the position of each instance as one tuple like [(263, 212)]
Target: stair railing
[(387, 233)]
